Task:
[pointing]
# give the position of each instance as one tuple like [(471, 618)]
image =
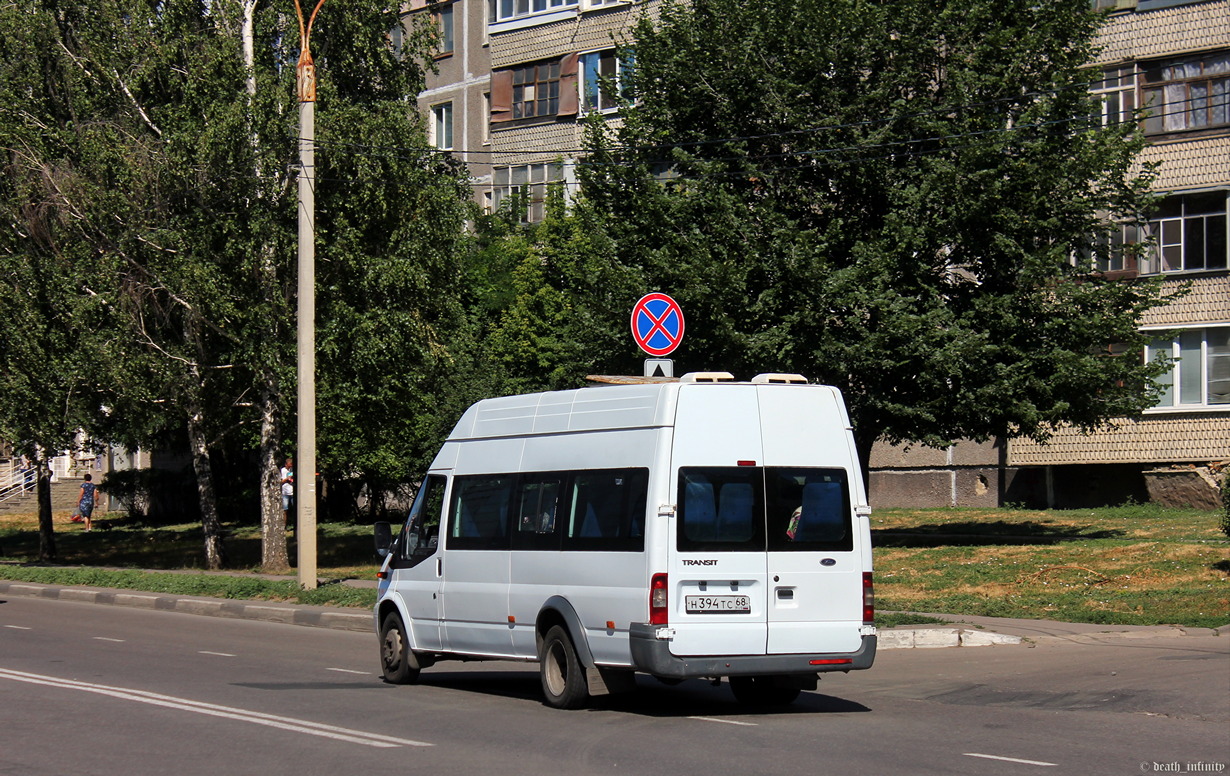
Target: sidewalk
[(973, 631), (965, 630)]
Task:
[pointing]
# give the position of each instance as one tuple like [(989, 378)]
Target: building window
[(504, 10), (1117, 91), (523, 189), (601, 80), (536, 90), (444, 18), (487, 113), (1117, 251), (1200, 370), (1188, 94), (1189, 233), (442, 125)]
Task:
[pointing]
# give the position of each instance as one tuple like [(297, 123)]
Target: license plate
[(718, 604)]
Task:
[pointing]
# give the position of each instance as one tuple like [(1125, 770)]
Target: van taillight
[(658, 600), (869, 599)]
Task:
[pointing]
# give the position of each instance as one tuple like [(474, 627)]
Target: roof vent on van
[(707, 377), (780, 377)]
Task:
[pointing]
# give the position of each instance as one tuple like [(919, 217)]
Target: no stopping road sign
[(657, 324)]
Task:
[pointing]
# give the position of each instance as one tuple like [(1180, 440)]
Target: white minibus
[(697, 527)]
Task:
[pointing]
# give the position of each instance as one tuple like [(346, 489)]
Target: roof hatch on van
[(707, 377), (780, 377)]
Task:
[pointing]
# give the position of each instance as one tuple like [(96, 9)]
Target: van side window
[(721, 508), (421, 534), (479, 514), (808, 509), (608, 510), (539, 504)]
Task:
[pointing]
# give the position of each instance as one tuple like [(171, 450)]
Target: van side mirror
[(384, 538)]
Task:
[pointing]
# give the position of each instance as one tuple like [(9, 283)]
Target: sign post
[(657, 327)]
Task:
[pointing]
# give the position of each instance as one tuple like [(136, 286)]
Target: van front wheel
[(397, 662), (563, 676)]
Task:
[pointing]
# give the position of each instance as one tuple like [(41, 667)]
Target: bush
[(1225, 501)]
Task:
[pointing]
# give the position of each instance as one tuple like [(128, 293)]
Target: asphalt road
[(87, 689)]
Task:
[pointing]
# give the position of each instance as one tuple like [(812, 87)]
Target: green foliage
[(558, 311), (1225, 503), (213, 586), (884, 197), (150, 210)]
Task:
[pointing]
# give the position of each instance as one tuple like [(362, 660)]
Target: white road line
[(227, 712), (1010, 759), (104, 638), (18, 627), (349, 671), (725, 721), (218, 654)]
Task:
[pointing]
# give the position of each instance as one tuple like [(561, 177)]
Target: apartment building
[(1171, 57), (515, 80)]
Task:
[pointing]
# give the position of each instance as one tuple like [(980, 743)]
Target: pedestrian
[(27, 475), (85, 502), (288, 490)]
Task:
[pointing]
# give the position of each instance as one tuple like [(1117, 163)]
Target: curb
[(936, 638), (289, 614)]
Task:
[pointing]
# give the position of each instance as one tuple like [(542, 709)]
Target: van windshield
[(751, 509)]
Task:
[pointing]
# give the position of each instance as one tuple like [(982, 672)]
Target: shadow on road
[(694, 697)]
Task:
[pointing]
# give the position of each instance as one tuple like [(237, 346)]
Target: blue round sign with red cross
[(657, 324)]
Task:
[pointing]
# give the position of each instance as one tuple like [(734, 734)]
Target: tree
[(887, 197), (60, 335), (557, 290), (172, 132)]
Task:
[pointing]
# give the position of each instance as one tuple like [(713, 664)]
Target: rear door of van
[(717, 568), (764, 558), (815, 553)]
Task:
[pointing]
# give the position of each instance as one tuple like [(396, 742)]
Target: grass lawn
[(1140, 565), (113, 553), (1137, 565)]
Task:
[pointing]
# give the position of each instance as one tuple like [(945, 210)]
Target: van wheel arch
[(557, 611)]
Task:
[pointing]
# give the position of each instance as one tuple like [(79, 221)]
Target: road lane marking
[(1010, 759), (18, 627), (217, 654), (725, 721), (227, 712), (349, 671), (104, 638)]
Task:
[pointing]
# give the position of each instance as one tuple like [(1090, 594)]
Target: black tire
[(761, 691), (397, 662), (563, 677)]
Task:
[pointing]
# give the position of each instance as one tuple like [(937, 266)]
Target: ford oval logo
[(828, 562)]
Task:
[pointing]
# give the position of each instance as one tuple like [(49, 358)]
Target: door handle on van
[(439, 567)]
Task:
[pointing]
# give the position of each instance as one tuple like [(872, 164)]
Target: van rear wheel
[(397, 662), (761, 691), (563, 676)]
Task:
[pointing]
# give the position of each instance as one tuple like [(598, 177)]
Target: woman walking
[(85, 502)]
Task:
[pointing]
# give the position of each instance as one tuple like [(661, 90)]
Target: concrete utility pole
[(305, 458)]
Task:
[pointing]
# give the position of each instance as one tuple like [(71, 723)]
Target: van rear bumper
[(652, 656)]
